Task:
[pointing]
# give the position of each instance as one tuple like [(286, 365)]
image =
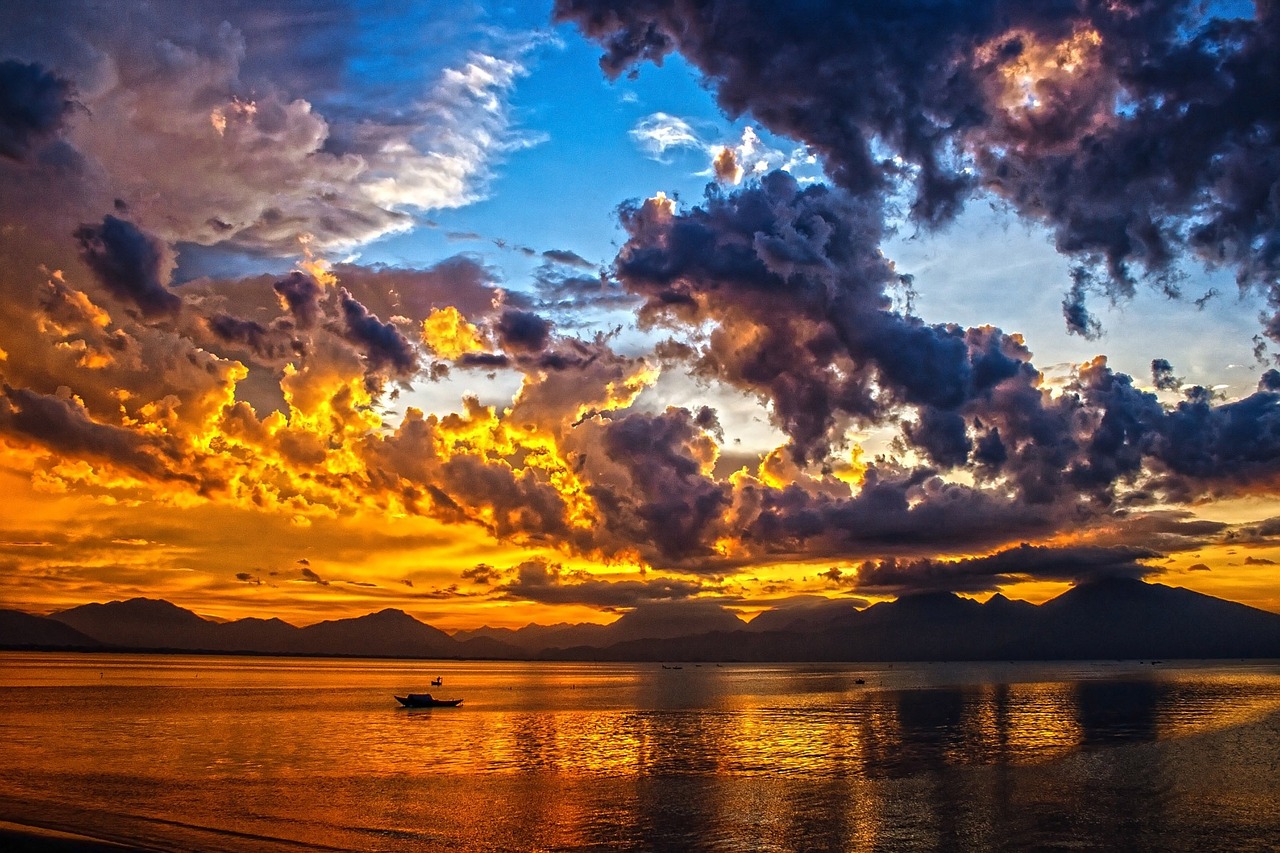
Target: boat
[(426, 700), (436, 682)]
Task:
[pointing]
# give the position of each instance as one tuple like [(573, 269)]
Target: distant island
[(1117, 618)]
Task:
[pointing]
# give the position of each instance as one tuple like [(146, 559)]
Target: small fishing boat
[(426, 700), (436, 682)]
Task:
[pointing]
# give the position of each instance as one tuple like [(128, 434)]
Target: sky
[(545, 312)]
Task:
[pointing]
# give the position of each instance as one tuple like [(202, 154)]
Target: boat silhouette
[(426, 700)]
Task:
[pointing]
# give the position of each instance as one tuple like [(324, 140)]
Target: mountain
[(1112, 618), (663, 620), (1127, 618), (274, 636), (1116, 618), (387, 632), (532, 639), (144, 623), (802, 613), (18, 629)]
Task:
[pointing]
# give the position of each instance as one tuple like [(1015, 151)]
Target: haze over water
[(225, 753)]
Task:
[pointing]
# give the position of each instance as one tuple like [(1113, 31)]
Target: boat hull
[(426, 700)]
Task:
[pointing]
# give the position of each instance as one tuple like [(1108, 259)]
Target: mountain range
[(1106, 619)]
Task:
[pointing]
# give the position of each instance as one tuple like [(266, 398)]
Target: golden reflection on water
[(630, 756)]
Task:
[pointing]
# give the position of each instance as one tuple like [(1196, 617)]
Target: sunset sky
[(512, 313)]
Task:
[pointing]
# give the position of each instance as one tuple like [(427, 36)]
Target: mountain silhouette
[(1115, 618), (385, 633), (144, 623), (1104, 619), (18, 629), (147, 623)]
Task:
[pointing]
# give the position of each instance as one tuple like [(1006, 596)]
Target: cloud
[(34, 103), (384, 346), (300, 293), (568, 258), (309, 575), (1162, 375), (481, 573), (549, 583), (523, 331), (64, 425), (905, 440), (216, 130), (728, 162), (985, 574), (657, 133), (664, 502), (1070, 114), (132, 265)]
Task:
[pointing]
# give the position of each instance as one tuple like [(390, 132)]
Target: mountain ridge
[(1105, 619)]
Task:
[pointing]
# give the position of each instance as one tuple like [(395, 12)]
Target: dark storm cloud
[(986, 574), (795, 290), (523, 331), (267, 343), (549, 583), (300, 294), (1166, 531), (1265, 531), (484, 360), (382, 343), (797, 285), (63, 425), (1136, 131), (911, 513), (665, 502), (508, 502), (33, 104), (1237, 441), (1162, 375), (131, 264), (1074, 310), (834, 75)]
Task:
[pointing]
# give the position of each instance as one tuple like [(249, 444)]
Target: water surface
[(247, 753)]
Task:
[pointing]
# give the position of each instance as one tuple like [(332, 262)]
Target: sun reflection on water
[(635, 757)]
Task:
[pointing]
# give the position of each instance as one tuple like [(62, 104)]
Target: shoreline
[(19, 837)]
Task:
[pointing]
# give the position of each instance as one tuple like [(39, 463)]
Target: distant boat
[(677, 666), (426, 700), (436, 682), (859, 681)]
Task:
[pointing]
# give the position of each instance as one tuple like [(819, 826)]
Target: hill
[(1113, 618)]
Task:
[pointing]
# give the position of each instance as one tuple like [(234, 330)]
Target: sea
[(261, 754)]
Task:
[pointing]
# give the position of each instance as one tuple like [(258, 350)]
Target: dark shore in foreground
[(20, 838)]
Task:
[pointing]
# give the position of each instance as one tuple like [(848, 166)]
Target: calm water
[(230, 753)]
